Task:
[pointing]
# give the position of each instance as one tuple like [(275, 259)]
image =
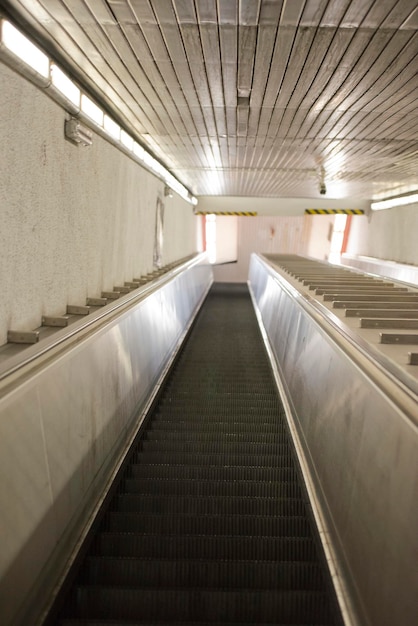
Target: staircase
[(210, 524)]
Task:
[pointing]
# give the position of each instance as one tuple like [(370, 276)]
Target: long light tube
[(393, 202), (91, 110), (65, 85), (25, 49), (111, 127)]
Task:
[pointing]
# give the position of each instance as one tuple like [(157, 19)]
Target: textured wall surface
[(390, 234), (74, 221)]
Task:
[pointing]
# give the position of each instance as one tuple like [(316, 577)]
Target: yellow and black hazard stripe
[(240, 213), (334, 211)]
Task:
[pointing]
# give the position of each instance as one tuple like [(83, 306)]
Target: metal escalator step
[(213, 472), (206, 547), (212, 505), (106, 622), (226, 390), (229, 447), (168, 604), (212, 488), (224, 384), (243, 525), (131, 572), (218, 404), (226, 375), (207, 416), (159, 425), (213, 437), (189, 457)]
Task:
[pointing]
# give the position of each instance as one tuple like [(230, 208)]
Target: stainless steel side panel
[(381, 267), (63, 426), (362, 451)]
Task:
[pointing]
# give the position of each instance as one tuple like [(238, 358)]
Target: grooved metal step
[(214, 458), (160, 425), (213, 437), (128, 572), (225, 547), (220, 445), (90, 622), (213, 472), (210, 505), (244, 526), (251, 488), (162, 604)]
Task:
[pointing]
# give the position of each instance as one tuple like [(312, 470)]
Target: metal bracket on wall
[(21, 336)]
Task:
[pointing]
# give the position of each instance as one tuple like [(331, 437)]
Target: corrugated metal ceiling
[(252, 97)]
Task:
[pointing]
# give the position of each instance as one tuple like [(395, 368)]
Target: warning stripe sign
[(240, 213), (334, 211)]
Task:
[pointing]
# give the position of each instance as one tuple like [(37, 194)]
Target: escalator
[(209, 523)]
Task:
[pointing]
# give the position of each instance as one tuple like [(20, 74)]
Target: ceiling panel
[(251, 97)]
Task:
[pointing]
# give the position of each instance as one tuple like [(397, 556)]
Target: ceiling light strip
[(390, 203), (34, 63)]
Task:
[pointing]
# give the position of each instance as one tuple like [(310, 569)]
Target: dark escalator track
[(209, 524)]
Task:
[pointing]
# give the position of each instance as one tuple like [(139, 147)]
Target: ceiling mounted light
[(91, 109), (390, 203), (65, 85), (24, 49), (127, 140), (111, 127)]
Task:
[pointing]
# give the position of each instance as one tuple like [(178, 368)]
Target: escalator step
[(230, 447), (214, 437), (105, 622), (243, 525), (252, 488), (212, 505), (281, 459), (216, 404), (131, 572), (205, 547), (243, 605), (213, 472), (163, 425)]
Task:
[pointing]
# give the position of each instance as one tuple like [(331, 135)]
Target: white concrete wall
[(73, 221), (390, 234), (320, 236), (272, 234)]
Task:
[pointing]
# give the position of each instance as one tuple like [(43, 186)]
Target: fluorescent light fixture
[(65, 85), (111, 127), (193, 200), (91, 110), (127, 140), (393, 202), (25, 49), (77, 133), (148, 159), (157, 167), (139, 151)]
